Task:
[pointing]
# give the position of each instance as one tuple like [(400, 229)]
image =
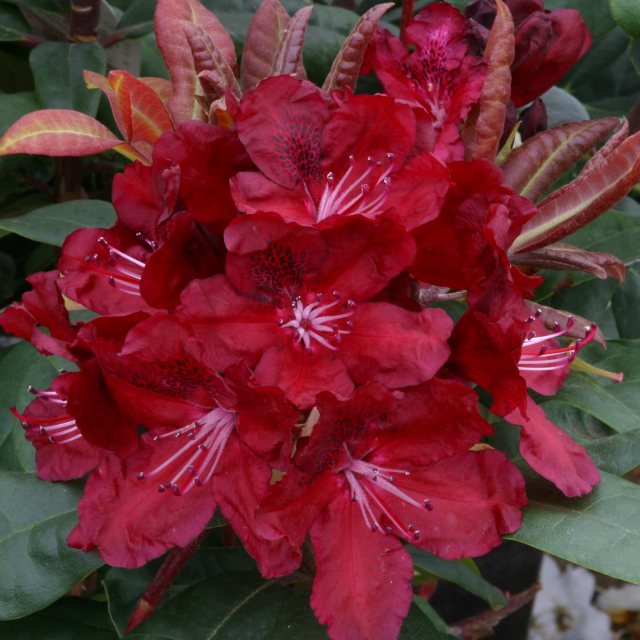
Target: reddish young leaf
[(170, 19), (483, 138), (346, 67), (274, 44), (533, 167), (212, 69), (565, 256), (289, 56), (583, 199), (613, 143), (57, 132)]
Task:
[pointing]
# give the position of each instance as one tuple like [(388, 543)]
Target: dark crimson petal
[(368, 126), (187, 254), (252, 193), (41, 307), (231, 327), (137, 199), (239, 485), (552, 453), (433, 421), (98, 417), (362, 257), (362, 588), (280, 123), (473, 499), (270, 259), (208, 156), (548, 44), (302, 374), (395, 347), (157, 376), (128, 520), (93, 279)]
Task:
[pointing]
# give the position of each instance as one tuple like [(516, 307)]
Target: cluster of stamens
[(360, 190), (123, 272), (539, 353), (60, 429), (194, 463), (360, 475), (311, 322)]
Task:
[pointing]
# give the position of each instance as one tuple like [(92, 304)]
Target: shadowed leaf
[(534, 166)]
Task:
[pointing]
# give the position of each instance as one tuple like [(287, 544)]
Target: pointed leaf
[(565, 256), (289, 56), (583, 199), (57, 132), (54, 223), (57, 73), (264, 35), (346, 66), (36, 565), (597, 160), (486, 131), (170, 19), (579, 530), (458, 572), (534, 166)]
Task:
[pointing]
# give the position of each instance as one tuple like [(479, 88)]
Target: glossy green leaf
[(67, 619), (626, 13), (617, 454), (625, 304), (13, 26), (600, 531), (57, 70), (20, 366), (458, 572), (616, 404), (54, 223), (36, 565)]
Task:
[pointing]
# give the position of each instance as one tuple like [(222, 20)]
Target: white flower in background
[(562, 609)]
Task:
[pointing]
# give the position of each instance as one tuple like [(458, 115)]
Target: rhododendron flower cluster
[(271, 337)]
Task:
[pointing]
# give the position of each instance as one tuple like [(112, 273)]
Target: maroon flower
[(319, 161), (440, 76), (382, 467)]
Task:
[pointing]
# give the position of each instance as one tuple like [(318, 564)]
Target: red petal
[(128, 520), (362, 587), (553, 454)]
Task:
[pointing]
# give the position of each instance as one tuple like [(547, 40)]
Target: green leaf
[(13, 26), (67, 619), (617, 454), (54, 223), (36, 565), (418, 625), (626, 13), (20, 366), (563, 107), (600, 531), (595, 13), (137, 20), (57, 70), (458, 572), (625, 304), (616, 404)]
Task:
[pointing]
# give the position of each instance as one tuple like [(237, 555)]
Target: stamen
[(122, 271), (363, 194), (537, 355), (368, 484), (195, 462), (310, 321)]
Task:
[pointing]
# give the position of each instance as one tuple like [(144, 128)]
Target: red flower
[(209, 442), (439, 76), (379, 467), (319, 162), (296, 306)]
